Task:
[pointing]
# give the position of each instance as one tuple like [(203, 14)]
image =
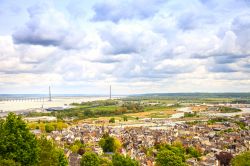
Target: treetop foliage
[(90, 159), (109, 144), (18, 146), (175, 154), (17, 143), (118, 160), (168, 157), (242, 159)]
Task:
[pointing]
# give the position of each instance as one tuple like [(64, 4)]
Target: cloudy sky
[(137, 46)]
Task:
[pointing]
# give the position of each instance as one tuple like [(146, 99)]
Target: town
[(210, 139), (210, 128)]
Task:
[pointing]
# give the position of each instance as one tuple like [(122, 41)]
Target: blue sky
[(142, 46)]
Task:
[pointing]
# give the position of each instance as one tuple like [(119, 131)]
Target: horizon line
[(121, 93)]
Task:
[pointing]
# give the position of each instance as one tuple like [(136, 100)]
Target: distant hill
[(194, 95)]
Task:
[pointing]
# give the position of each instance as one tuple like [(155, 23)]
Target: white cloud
[(154, 46), (46, 27)]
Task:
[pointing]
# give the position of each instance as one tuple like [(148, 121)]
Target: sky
[(142, 46)]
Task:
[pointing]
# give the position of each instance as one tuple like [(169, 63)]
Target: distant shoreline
[(55, 95), (28, 105)]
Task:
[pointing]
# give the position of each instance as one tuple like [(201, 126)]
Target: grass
[(164, 113), (161, 101), (159, 115), (104, 108), (228, 110), (132, 107), (199, 108)]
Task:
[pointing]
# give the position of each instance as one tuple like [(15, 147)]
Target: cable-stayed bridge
[(24, 99)]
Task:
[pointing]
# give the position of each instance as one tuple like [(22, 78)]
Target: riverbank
[(27, 105)]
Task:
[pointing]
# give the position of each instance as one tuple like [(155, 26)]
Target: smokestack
[(50, 94), (110, 92)]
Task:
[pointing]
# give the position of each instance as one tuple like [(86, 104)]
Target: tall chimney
[(50, 94), (110, 92)]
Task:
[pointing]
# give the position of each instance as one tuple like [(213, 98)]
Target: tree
[(105, 161), (50, 154), (90, 159), (17, 143), (88, 113), (177, 148), (242, 159), (193, 152), (76, 146), (42, 127), (62, 161), (81, 151), (121, 110), (47, 154), (125, 118), (117, 145), (112, 120), (167, 157), (109, 144), (60, 126), (49, 128), (118, 160), (32, 126), (4, 162), (224, 158)]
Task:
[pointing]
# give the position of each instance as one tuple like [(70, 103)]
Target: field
[(198, 108), (137, 107), (155, 113), (115, 108)]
